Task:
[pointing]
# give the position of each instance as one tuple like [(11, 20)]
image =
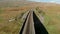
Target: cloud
[(55, 1), (51, 1)]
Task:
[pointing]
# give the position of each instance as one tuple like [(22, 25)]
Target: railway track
[(32, 25)]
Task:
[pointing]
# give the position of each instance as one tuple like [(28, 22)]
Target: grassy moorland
[(8, 10), (11, 27), (51, 16)]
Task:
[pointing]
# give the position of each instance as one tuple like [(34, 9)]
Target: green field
[(51, 19)]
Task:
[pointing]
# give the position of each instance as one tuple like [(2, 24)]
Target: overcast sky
[(51, 1)]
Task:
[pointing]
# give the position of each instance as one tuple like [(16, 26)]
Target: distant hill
[(27, 4), (17, 3)]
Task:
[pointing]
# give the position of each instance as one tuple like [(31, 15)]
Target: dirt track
[(33, 25)]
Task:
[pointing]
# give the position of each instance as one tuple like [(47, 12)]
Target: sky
[(50, 1)]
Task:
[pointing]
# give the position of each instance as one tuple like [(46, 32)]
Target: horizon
[(48, 1)]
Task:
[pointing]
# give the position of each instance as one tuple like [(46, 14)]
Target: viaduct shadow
[(39, 27)]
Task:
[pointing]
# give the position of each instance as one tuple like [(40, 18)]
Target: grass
[(1, 11), (50, 13), (51, 19), (1, 19), (53, 24), (13, 27)]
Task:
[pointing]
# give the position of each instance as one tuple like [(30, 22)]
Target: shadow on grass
[(39, 27)]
